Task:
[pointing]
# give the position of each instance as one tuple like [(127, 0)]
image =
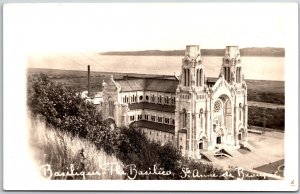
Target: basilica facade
[(196, 113)]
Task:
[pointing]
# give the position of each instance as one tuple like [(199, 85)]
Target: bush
[(138, 150), (64, 109)]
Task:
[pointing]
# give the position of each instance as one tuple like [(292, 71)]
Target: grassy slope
[(59, 149)]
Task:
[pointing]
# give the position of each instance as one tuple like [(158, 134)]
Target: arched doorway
[(202, 145), (219, 140), (241, 134)]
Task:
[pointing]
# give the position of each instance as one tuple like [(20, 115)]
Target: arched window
[(197, 77), (184, 77), (153, 98), (184, 118), (227, 74), (141, 98), (238, 75), (240, 115), (111, 107), (201, 122), (188, 77), (201, 77)]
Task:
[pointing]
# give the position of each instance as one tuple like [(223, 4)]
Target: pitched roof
[(162, 85), (152, 106), (148, 84), (154, 125), (131, 84), (167, 84)]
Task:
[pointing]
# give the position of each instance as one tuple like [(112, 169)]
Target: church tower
[(231, 71), (231, 67), (191, 98), (192, 74)]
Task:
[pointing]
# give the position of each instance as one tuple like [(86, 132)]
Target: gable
[(221, 87)]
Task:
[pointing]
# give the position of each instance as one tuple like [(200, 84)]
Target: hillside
[(253, 51)]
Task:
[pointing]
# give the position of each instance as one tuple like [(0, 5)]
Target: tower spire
[(231, 67), (192, 73)]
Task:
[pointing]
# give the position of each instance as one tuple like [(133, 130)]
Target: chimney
[(89, 83)]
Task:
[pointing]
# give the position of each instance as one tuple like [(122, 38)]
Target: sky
[(42, 28)]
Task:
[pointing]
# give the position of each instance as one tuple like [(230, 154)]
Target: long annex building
[(195, 113)]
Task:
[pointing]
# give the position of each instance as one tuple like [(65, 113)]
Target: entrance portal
[(201, 145), (219, 140), (239, 136)]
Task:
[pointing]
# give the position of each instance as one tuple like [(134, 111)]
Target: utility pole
[(89, 84), (264, 120)]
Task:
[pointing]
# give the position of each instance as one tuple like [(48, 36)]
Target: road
[(265, 105)]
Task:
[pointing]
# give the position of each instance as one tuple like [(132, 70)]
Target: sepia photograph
[(151, 96)]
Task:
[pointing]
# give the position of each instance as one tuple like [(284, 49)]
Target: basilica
[(197, 114)]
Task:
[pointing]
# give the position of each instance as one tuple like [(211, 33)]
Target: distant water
[(260, 68)]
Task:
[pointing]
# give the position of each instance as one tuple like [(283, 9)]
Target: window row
[(159, 99), (158, 119), (185, 96)]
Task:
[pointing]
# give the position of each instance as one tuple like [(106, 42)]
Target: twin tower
[(210, 115)]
